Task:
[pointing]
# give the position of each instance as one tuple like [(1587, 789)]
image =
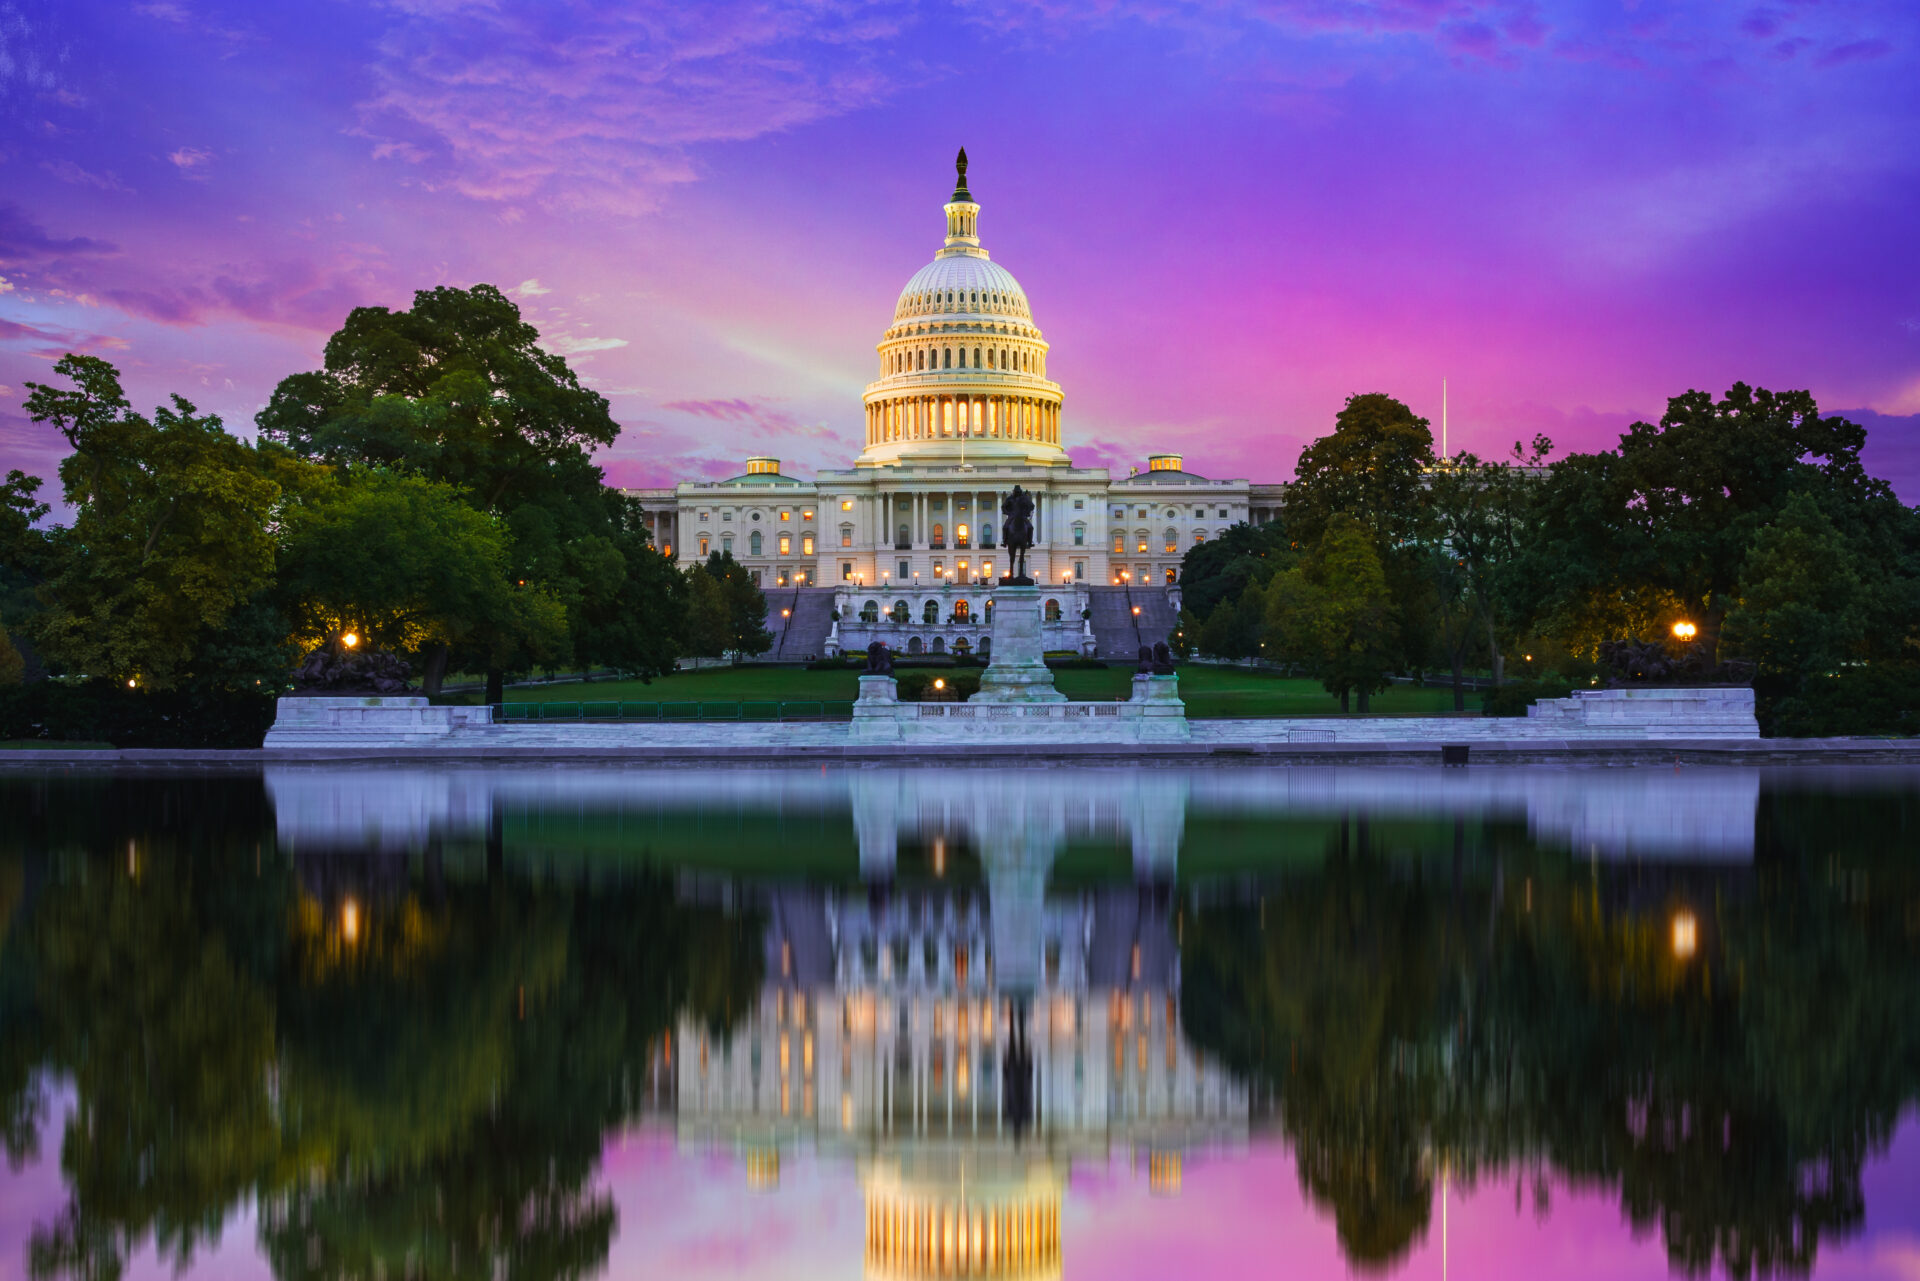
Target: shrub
[(837, 664), (1514, 697), (1076, 665), (1882, 698), (56, 712), (917, 687)]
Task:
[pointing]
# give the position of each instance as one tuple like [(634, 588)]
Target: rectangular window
[(1119, 513), (1200, 513), (846, 504), (986, 571), (789, 515), (807, 515), (703, 517), (1223, 513), (786, 545), (726, 543), (780, 580), (1142, 549), (1079, 570), (846, 571), (1079, 504), (1119, 543), (906, 571), (939, 569), (703, 546), (755, 575), (806, 545), (1079, 536), (1142, 514), (846, 535), (726, 515), (1172, 547)]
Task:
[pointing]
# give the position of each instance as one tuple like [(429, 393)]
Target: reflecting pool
[(397, 1021)]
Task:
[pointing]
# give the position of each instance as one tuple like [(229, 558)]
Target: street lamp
[(350, 639), (1685, 631), (1686, 935)]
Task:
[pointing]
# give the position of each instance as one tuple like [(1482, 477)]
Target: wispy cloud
[(189, 158), (563, 345), (529, 289), (578, 109), (69, 172), (22, 240)]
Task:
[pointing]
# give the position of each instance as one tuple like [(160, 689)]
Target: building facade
[(960, 411)]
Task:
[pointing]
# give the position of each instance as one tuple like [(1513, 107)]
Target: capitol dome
[(963, 368)]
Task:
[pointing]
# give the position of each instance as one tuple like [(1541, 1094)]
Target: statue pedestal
[(1018, 670), (876, 714)]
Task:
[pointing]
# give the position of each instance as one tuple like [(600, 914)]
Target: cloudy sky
[(1228, 216)]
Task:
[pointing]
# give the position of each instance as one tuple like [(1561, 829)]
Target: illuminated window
[(808, 514), (1141, 539), (703, 545), (786, 515), (1119, 542), (703, 517), (846, 535), (786, 544), (806, 545), (846, 505), (1172, 541)]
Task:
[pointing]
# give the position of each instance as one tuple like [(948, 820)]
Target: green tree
[(1478, 517), (747, 633), (1800, 608), (1333, 612), (1660, 528), (1235, 628), (1222, 568), (457, 389), (707, 627), (407, 563), (1371, 467), (169, 541)]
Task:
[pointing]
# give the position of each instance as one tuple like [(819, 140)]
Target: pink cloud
[(23, 240)]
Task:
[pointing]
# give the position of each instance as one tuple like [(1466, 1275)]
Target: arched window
[(947, 361), (990, 359), (962, 612), (1173, 540), (870, 612), (989, 616), (986, 534), (901, 613), (920, 359), (1140, 539), (986, 646), (963, 358), (846, 535), (976, 358), (939, 535), (1053, 611), (902, 538), (939, 644), (915, 647), (930, 612), (961, 647), (753, 543), (1199, 536)]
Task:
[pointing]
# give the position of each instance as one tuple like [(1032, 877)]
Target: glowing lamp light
[(785, 613), (350, 921), (1136, 611), (1686, 935), (350, 639), (131, 682), (939, 684), (1685, 631)]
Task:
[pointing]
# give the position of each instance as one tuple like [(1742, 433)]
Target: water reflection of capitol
[(942, 1021), (966, 1044)]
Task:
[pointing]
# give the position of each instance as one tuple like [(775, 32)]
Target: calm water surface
[(1082, 1022)]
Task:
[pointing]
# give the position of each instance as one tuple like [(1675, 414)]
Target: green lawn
[(720, 685), (1209, 691)]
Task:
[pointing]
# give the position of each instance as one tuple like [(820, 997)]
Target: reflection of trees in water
[(1510, 1012), (426, 1097)]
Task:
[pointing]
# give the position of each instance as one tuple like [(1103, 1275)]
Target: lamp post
[(1685, 631)]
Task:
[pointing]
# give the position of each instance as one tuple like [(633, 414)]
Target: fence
[(510, 713)]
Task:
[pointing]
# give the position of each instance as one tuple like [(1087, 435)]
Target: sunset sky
[(1228, 216)]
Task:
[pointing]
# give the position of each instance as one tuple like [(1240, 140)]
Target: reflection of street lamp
[(1686, 935), (350, 921), (1685, 631)]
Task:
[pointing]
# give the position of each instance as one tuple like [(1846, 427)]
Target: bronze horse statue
[(1016, 535)]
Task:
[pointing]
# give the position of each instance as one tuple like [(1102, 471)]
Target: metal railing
[(748, 710)]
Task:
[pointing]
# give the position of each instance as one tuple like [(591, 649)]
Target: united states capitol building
[(902, 545)]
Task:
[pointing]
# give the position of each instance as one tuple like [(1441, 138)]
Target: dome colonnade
[(962, 366)]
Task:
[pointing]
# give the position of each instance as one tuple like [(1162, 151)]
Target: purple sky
[(1228, 216)]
